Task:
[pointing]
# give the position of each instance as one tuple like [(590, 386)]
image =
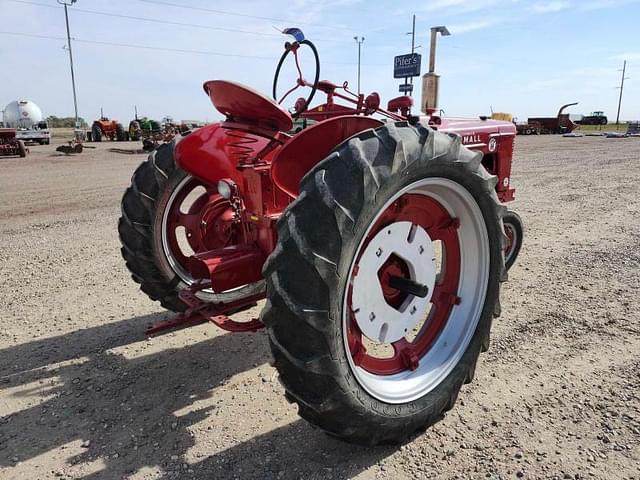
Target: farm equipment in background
[(26, 118), (141, 128), (505, 117), (379, 242), (111, 129), (633, 129), (166, 133), (10, 145), (596, 118), (559, 124)]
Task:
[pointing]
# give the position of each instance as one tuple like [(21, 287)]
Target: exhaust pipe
[(430, 92), (431, 80)]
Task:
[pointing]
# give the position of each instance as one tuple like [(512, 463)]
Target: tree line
[(64, 122)]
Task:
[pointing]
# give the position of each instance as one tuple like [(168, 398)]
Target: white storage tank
[(21, 114)]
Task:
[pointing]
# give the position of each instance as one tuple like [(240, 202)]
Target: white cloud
[(629, 56), (549, 7), (470, 26), (601, 4), (453, 7)]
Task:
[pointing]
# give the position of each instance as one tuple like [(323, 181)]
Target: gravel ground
[(83, 394)]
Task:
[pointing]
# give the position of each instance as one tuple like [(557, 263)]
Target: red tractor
[(10, 145), (111, 129), (378, 238)]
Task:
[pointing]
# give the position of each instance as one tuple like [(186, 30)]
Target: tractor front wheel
[(167, 216), (515, 233), (384, 283), (22, 150), (96, 133)]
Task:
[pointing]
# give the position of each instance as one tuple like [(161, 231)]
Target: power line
[(152, 20), (235, 14), (130, 45), (162, 49)]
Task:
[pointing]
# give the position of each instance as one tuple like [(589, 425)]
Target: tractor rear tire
[(22, 149), (311, 280), (96, 133), (515, 231), (141, 233), (121, 136)]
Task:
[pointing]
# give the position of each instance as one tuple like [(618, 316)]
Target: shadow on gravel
[(295, 451), (122, 408)]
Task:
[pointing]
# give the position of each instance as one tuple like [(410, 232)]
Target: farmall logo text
[(475, 138)]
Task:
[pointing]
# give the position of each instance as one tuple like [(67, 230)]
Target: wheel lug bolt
[(421, 249), (378, 252), (413, 310), (372, 316)]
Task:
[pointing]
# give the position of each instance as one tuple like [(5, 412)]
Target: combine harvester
[(379, 239)]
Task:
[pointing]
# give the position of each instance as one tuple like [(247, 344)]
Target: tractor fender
[(311, 146), (208, 154)]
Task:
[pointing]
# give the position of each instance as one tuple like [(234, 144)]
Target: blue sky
[(522, 57)]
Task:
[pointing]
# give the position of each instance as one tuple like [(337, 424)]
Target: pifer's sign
[(407, 65)]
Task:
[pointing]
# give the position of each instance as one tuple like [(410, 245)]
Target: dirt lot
[(83, 394)]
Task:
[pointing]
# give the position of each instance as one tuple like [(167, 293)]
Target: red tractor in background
[(378, 238), (111, 129)]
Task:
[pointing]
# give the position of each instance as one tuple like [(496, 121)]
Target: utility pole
[(624, 69), (413, 47), (73, 78), (359, 41)]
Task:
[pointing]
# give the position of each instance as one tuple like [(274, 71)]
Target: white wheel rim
[(174, 266), (452, 342)]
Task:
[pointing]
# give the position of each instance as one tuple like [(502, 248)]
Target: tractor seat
[(402, 104), (243, 104)]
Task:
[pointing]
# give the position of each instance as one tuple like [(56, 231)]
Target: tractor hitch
[(198, 311)]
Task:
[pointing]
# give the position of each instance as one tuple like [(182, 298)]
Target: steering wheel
[(300, 82)]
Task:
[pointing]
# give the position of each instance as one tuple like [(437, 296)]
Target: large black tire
[(96, 132), (140, 228), (309, 269), (121, 135), (513, 222), (22, 149)]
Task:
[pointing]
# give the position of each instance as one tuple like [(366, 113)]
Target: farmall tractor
[(377, 237), (111, 129)]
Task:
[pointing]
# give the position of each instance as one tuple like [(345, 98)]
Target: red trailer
[(10, 145), (561, 123)]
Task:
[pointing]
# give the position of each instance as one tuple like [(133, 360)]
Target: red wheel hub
[(208, 223), (430, 215), (508, 248)]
